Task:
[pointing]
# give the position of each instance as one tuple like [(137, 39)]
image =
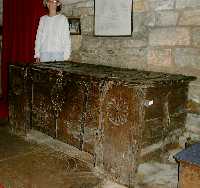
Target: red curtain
[(20, 21)]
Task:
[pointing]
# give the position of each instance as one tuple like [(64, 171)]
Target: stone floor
[(25, 164), (28, 165)]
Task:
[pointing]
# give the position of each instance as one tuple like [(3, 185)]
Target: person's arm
[(66, 40), (38, 40)]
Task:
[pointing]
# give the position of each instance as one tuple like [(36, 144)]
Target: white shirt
[(53, 36)]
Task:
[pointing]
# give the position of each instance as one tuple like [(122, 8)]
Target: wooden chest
[(189, 167), (115, 114), (19, 98)]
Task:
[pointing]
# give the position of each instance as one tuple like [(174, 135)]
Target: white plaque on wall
[(113, 17)]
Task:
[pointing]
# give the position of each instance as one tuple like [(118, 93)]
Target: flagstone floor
[(28, 165), (25, 164)]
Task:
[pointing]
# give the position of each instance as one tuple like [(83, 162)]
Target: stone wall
[(166, 37)]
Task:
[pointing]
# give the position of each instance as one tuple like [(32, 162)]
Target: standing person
[(53, 41)]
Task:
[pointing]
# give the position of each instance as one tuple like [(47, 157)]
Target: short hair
[(58, 9)]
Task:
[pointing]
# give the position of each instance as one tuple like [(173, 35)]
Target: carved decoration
[(41, 111), (117, 110), (57, 97), (104, 87)]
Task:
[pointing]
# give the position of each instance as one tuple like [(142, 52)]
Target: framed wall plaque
[(113, 18), (74, 26)]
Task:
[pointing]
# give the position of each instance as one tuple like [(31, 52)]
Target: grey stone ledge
[(161, 4), (172, 138), (181, 4), (41, 138)]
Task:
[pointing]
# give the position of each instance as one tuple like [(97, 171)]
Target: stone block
[(87, 25), (157, 175), (67, 10), (76, 45), (133, 43), (161, 57), (187, 57), (180, 4), (166, 18), (87, 3), (138, 21), (193, 107), (196, 37), (86, 11), (194, 137), (76, 42), (117, 51), (169, 36), (193, 123), (161, 18), (150, 20), (83, 11), (190, 18), (194, 91), (139, 6), (111, 44), (137, 55), (161, 4), (89, 43), (115, 57)]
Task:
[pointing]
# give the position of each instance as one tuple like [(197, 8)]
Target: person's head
[(53, 4)]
